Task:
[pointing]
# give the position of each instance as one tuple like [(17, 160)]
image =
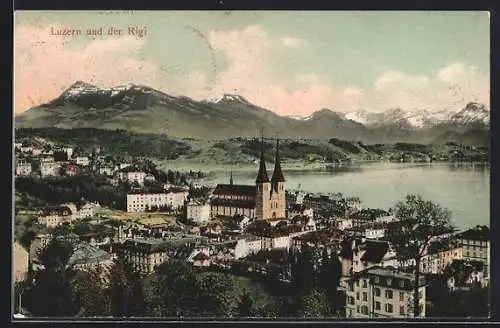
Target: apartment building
[(383, 292), (139, 201), (198, 211), (48, 167), (439, 255), (23, 168), (475, 243), (144, 255)]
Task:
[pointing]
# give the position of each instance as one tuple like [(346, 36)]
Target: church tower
[(263, 186), (278, 199)]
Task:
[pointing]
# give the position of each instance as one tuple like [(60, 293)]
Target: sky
[(293, 63)]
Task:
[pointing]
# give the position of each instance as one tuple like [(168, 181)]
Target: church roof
[(236, 190), (278, 173), (262, 176), (239, 203)]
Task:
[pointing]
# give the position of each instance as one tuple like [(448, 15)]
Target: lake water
[(464, 189)]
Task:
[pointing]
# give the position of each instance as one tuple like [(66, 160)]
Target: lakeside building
[(141, 200), (383, 292), (265, 200)]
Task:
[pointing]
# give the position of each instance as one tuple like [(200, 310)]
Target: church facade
[(264, 200)]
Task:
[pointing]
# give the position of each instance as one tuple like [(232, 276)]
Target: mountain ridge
[(144, 109)]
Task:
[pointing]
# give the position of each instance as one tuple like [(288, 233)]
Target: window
[(388, 308), (357, 283), (401, 310), (389, 281), (377, 279), (365, 296), (350, 312), (357, 296), (357, 308), (377, 305), (351, 287), (376, 291), (402, 282), (364, 309), (364, 283), (401, 296), (388, 293)]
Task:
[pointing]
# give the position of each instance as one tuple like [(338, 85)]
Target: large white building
[(131, 175), (383, 292), (140, 201), (198, 211)]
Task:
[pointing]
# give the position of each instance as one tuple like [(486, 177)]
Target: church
[(265, 200)]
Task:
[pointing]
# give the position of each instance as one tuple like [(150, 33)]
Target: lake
[(462, 188)]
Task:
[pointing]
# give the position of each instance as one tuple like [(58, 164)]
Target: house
[(329, 238), (144, 255), (198, 211), (368, 253), (21, 262), (82, 160), (106, 170), (18, 145), (383, 292), (55, 215), (140, 200), (353, 204), (201, 259), (86, 256), (242, 221), (274, 241), (48, 167), (307, 223), (84, 211), (131, 174), (375, 230), (299, 210), (23, 168), (69, 169), (68, 151), (343, 223), (439, 255)]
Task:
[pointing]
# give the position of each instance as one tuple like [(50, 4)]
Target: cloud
[(450, 87), (45, 65), (291, 42)]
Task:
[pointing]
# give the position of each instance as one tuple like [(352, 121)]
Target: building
[(343, 223), (144, 255), (265, 200), (23, 168), (201, 259), (354, 204), (463, 273), (21, 262), (82, 160), (475, 243), (197, 211), (55, 215), (106, 170), (375, 230), (299, 210), (439, 255), (86, 256), (68, 151), (84, 211), (48, 167), (131, 174), (383, 292), (364, 254), (140, 200)]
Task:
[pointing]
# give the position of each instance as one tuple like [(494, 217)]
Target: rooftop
[(237, 190)]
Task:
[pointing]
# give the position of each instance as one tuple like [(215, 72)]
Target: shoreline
[(184, 166)]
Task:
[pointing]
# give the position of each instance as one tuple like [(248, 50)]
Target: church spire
[(231, 179), (278, 173), (262, 176)]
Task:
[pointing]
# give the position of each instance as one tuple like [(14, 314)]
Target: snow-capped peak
[(300, 118), (229, 98)]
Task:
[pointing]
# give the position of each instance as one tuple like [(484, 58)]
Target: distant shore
[(179, 165)]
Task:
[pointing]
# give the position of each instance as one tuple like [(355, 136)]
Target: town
[(326, 254)]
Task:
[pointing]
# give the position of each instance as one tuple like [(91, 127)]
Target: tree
[(246, 305), (90, 292), (418, 222), (314, 305), (302, 269), (216, 295), (329, 279), (124, 290), (53, 282)]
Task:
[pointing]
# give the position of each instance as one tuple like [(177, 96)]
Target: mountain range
[(144, 109)]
